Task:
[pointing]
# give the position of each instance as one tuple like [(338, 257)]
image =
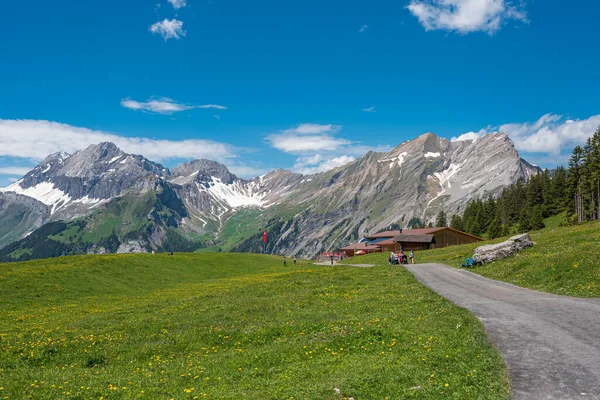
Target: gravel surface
[(345, 265), (551, 344)]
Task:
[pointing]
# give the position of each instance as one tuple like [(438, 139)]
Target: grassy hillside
[(564, 261), (131, 217), (233, 326)]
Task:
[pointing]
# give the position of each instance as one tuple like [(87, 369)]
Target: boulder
[(494, 252), (132, 246)]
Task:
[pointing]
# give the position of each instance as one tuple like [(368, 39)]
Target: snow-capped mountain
[(311, 213), (71, 185)]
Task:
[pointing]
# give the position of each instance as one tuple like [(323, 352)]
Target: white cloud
[(363, 28), (13, 180), (246, 171), (214, 106), (313, 129), (465, 16), (370, 109), (169, 29), (164, 105), (320, 163), (310, 141), (307, 138), (14, 170), (177, 4), (551, 134), (471, 135), (36, 139)]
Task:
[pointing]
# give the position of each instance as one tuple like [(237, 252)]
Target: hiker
[(402, 257), (331, 257), (284, 262), (294, 260), (411, 255)]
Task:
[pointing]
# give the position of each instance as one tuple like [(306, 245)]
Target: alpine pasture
[(234, 326)]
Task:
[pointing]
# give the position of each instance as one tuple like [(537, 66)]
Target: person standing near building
[(411, 255)]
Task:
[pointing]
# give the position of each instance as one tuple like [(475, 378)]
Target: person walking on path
[(284, 262), (331, 257), (294, 260), (411, 255)]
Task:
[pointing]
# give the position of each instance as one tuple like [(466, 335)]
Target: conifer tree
[(525, 221), (441, 220), (456, 222), (574, 185), (495, 229), (537, 218)]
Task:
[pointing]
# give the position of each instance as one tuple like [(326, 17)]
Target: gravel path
[(551, 344), (345, 265)]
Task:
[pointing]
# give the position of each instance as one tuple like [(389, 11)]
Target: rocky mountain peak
[(202, 171), (104, 151)]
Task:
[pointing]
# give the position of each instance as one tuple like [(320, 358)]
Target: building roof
[(429, 231), (385, 234), (419, 235), (392, 234), (413, 239), (362, 246), (386, 242)]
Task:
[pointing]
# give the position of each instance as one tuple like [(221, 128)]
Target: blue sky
[(301, 85)]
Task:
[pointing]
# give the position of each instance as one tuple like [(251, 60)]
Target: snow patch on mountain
[(400, 159), (48, 194), (237, 195), (432, 155), (44, 192), (444, 178)]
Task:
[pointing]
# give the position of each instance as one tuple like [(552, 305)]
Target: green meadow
[(564, 260), (234, 326)]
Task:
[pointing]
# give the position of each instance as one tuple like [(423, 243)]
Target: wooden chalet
[(410, 239)]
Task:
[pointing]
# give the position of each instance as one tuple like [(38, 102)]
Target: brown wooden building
[(411, 239)]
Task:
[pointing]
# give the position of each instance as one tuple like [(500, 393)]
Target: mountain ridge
[(311, 212)]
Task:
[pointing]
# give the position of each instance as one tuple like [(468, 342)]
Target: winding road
[(551, 343)]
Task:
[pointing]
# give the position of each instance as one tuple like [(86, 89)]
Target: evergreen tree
[(456, 222), (558, 190), (537, 218), (574, 186), (525, 221), (441, 220), (495, 230)]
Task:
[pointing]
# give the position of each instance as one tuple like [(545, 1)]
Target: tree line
[(524, 205)]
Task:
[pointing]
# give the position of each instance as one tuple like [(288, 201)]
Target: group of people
[(285, 261), (401, 258)]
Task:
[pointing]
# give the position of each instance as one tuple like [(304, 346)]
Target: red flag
[(265, 236)]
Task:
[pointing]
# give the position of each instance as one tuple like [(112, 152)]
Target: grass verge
[(231, 326), (563, 261)]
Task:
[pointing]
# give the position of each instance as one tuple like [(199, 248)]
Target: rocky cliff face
[(19, 215), (417, 179), (72, 185), (307, 213)]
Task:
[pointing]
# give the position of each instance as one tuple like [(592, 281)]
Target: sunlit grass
[(564, 260), (225, 326)]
